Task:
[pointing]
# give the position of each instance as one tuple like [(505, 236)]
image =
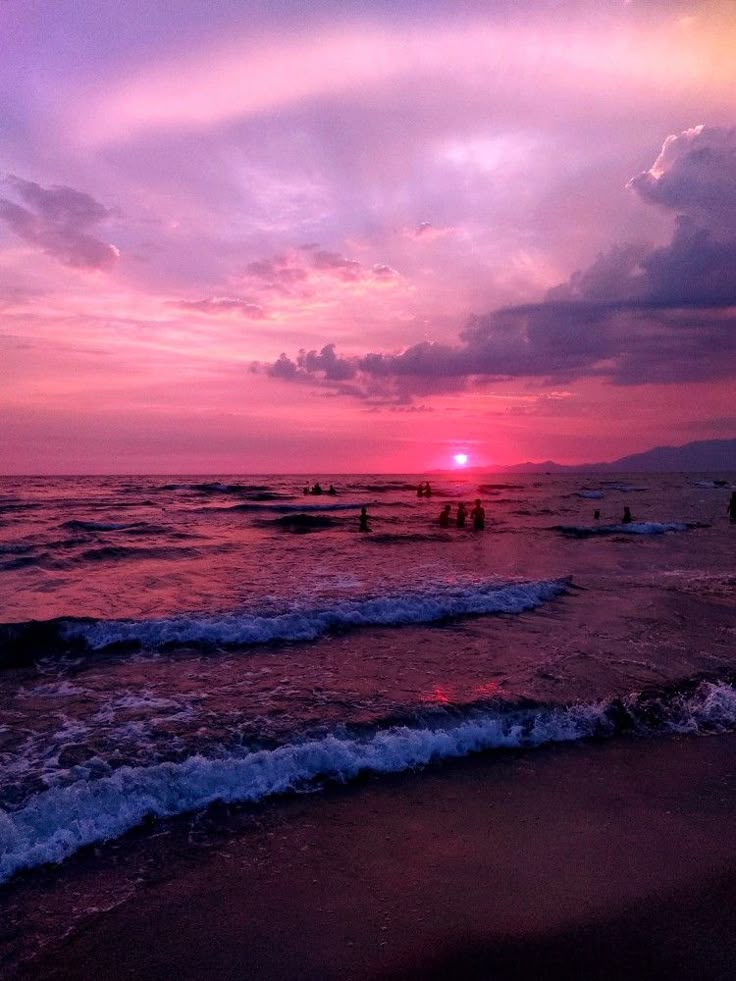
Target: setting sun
[(461, 459)]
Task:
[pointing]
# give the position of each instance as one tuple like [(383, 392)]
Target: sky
[(240, 236)]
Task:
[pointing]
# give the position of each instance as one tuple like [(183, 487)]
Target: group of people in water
[(627, 518), (477, 516), (317, 489)]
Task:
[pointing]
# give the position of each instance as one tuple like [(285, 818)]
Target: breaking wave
[(24, 642), (635, 528), (78, 525), (58, 822)]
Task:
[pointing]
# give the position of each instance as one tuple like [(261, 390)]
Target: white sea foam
[(633, 528), (418, 606), (649, 527), (59, 821), (52, 689)]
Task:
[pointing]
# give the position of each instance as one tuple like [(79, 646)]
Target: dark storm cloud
[(57, 220), (635, 315)]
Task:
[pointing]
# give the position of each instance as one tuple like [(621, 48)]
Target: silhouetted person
[(462, 512), (317, 489), (306, 489), (732, 507), (627, 519), (596, 515), (363, 520), (420, 490), (479, 516), (445, 516), (331, 490), (427, 489)]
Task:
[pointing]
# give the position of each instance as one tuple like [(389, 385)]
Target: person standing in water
[(732, 507), (478, 515), (627, 519), (445, 516), (461, 515), (363, 520)]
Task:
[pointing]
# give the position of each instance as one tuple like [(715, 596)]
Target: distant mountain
[(703, 456)]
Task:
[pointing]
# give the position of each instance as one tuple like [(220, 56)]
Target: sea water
[(171, 642)]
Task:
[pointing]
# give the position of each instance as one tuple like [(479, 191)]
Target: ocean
[(172, 643)]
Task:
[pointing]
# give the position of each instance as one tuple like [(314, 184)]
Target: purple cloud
[(695, 174), (276, 271), (635, 315), (339, 264), (309, 363), (57, 220)]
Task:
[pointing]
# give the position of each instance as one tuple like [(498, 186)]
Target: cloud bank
[(635, 315)]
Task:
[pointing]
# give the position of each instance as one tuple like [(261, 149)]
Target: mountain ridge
[(710, 455)]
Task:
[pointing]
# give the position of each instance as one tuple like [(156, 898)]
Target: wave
[(9, 507), (297, 508), (386, 487), (301, 523), (635, 528), (22, 562), (103, 553), (491, 488), (78, 525), (623, 488), (409, 538), (58, 822), (22, 643), (17, 548), (215, 487)]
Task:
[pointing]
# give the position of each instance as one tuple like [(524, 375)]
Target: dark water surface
[(166, 643)]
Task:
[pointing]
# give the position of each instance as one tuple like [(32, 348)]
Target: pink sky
[(339, 236)]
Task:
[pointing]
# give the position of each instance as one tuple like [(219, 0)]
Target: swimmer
[(363, 520), (478, 515), (462, 512), (445, 516)]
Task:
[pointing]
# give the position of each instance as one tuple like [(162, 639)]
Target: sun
[(461, 459)]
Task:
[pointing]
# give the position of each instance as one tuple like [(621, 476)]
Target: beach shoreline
[(605, 860)]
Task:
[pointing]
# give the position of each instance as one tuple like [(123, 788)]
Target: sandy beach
[(613, 860)]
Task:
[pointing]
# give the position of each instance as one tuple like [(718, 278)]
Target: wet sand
[(613, 860)]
